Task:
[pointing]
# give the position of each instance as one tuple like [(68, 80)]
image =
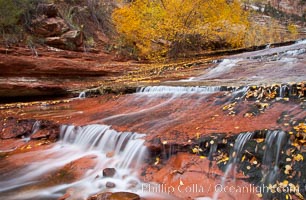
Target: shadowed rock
[(109, 172)]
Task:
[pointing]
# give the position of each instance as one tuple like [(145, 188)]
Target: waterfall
[(234, 158), (283, 91), (123, 151), (178, 90), (274, 143), (35, 128), (222, 67), (102, 138), (82, 95)]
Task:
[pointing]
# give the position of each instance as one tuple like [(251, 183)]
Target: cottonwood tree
[(157, 27)]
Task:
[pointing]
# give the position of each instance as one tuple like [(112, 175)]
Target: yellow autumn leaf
[(298, 157), (297, 193), (285, 183), (197, 149), (157, 160), (260, 140), (288, 197), (223, 160), (288, 168), (243, 158)]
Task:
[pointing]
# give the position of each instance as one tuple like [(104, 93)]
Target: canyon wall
[(297, 7)]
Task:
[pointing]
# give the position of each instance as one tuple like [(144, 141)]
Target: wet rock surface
[(47, 71), (187, 176), (13, 128), (109, 172), (195, 135), (110, 185), (208, 139), (115, 196), (101, 196), (124, 196)]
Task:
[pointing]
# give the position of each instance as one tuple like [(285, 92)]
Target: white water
[(231, 167), (274, 142), (301, 42), (159, 107), (93, 142), (35, 128), (282, 91), (223, 67), (295, 52), (154, 99), (253, 67), (82, 95), (155, 90)]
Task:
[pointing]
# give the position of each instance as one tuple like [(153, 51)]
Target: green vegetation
[(15, 18), (10, 13)]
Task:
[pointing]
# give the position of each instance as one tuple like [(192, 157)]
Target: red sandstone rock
[(109, 172), (115, 196), (47, 27), (110, 185), (189, 176), (12, 128), (289, 6), (100, 196), (62, 71), (123, 196), (73, 36)]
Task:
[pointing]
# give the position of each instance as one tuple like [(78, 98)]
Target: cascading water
[(155, 90), (104, 146), (223, 67), (283, 91), (234, 159), (35, 128), (274, 143), (258, 67), (161, 109), (154, 98), (82, 95)]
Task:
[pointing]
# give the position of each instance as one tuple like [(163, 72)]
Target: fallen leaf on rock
[(223, 160), (197, 149), (156, 161), (260, 140), (288, 168), (298, 157)]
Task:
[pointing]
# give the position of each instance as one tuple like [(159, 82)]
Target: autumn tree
[(157, 27)]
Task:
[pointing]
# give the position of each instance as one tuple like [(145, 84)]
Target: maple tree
[(156, 27)]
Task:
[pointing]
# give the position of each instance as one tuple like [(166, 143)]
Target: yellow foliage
[(260, 34), (292, 29), (298, 157), (153, 26)]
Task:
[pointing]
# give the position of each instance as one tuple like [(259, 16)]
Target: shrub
[(10, 13), (15, 16)]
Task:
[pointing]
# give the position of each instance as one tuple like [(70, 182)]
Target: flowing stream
[(100, 144), (85, 151)]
